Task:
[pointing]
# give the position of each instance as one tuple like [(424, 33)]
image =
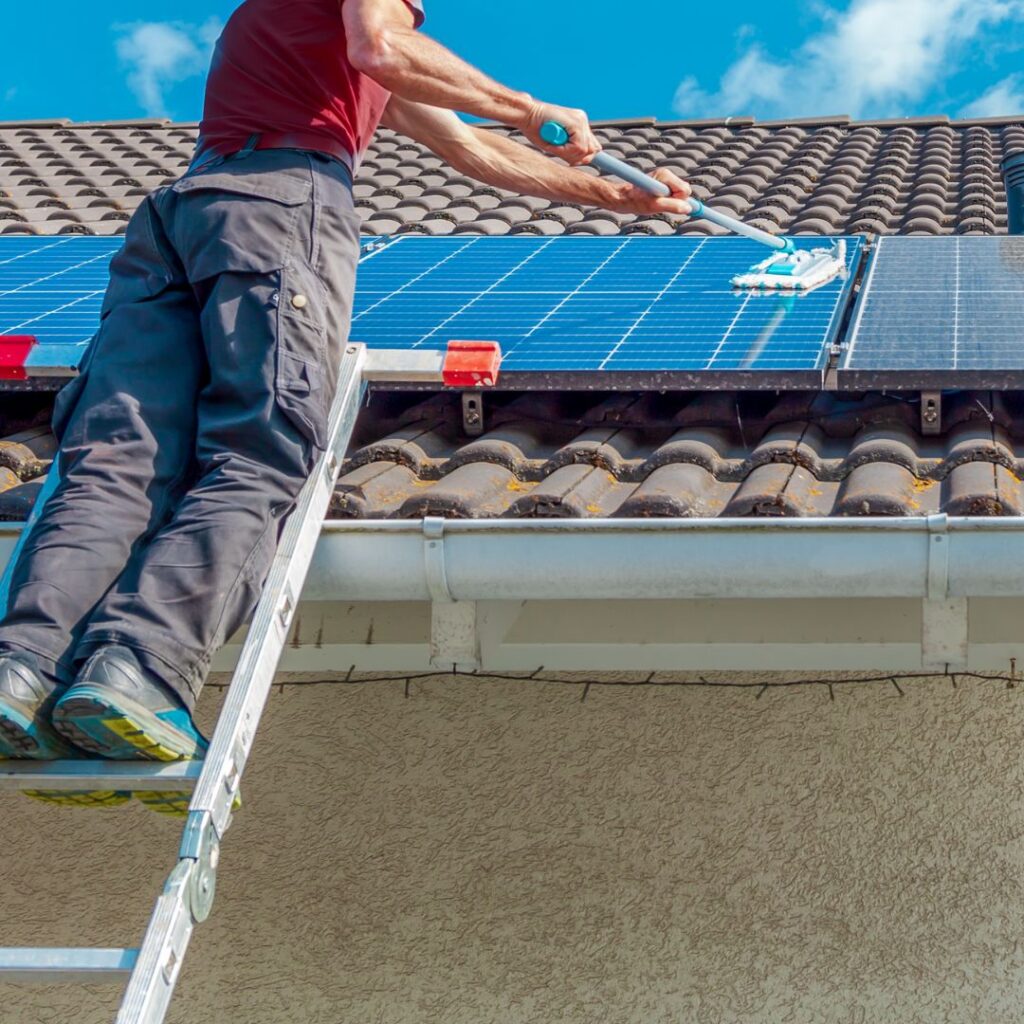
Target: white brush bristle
[(810, 269)]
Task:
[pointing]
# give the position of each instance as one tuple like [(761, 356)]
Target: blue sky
[(792, 58)]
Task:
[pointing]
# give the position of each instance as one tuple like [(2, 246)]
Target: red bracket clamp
[(471, 364), (14, 350)]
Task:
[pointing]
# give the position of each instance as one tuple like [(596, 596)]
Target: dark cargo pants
[(201, 406)]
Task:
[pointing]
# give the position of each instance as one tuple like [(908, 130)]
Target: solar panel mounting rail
[(152, 971)]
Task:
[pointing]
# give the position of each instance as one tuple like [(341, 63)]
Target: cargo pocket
[(238, 221), (301, 379)]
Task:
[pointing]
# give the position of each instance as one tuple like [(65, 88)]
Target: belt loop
[(201, 158), (249, 148)]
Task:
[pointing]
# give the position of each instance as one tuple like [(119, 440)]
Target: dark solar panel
[(939, 312)]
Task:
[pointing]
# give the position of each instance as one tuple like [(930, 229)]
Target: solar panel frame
[(937, 313)]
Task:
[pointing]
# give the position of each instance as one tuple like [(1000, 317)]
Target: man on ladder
[(202, 403)]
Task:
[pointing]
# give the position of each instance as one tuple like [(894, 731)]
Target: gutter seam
[(938, 558)]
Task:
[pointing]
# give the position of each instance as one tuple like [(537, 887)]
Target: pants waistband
[(276, 140)]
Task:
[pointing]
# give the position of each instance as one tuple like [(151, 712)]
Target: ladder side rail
[(50, 484), (188, 895)]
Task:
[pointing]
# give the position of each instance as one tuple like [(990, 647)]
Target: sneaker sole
[(24, 737), (128, 731), (92, 723), (125, 731)]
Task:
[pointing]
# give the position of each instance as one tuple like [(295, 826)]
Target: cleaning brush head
[(801, 270)]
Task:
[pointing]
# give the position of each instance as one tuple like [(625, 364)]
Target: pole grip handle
[(608, 164)]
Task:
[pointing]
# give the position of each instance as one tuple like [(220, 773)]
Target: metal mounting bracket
[(931, 413), (472, 413)]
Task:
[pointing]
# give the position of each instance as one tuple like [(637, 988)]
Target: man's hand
[(630, 199), (582, 146)]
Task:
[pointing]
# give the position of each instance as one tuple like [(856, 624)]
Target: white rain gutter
[(528, 559), (470, 573), (494, 560)]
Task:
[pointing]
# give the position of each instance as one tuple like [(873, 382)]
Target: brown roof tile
[(645, 455), (814, 175), (706, 455)]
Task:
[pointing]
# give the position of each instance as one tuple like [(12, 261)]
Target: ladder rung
[(68, 776), (66, 966)]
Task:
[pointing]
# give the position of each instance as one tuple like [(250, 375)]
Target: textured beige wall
[(492, 851)]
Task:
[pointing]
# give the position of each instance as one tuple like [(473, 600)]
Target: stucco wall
[(492, 851)]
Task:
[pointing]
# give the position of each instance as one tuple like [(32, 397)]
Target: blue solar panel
[(632, 304), (938, 312), (557, 306), (53, 288)]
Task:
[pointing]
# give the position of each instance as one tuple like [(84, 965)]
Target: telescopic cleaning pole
[(555, 134)]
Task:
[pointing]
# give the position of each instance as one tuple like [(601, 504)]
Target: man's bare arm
[(496, 160), (384, 44)]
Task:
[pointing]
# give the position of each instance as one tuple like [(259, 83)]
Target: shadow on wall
[(499, 851)]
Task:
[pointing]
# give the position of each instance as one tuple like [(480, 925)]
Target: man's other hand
[(631, 199), (582, 146)]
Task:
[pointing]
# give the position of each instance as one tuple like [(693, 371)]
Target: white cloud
[(1004, 99), (158, 54), (874, 57)]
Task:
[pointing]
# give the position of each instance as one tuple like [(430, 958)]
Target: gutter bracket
[(944, 620), (454, 636)]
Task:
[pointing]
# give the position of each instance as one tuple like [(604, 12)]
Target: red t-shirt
[(282, 66)]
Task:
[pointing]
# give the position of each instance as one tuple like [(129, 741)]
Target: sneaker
[(26, 733), (26, 701), (115, 710)]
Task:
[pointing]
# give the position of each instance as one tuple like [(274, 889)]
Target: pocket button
[(300, 301)]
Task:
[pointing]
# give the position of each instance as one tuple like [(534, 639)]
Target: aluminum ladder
[(152, 970)]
